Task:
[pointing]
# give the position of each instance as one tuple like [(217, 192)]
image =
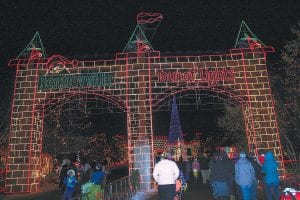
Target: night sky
[(103, 27), (98, 29)]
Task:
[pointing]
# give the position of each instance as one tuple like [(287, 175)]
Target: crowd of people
[(73, 174), (236, 178), (228, 178)]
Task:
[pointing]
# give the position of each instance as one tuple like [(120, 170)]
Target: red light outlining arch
[(60, 97), (157, 100), (135, 89), (236, 98)]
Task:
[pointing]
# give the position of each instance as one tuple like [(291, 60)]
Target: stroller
[(181, 186), (290, 194)]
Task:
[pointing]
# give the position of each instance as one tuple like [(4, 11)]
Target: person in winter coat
[(221, 172), (271, 178), (98, 176), (245, 176), (205, 172), (215, 156), (188, 168), (229, 166), (165, 173), (195, 168), (63, 173), (258, 174), (70, 182)]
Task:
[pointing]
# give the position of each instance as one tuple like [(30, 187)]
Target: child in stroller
[(181, 186)]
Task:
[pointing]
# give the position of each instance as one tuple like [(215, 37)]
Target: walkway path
[(194, 191), (50, 192)]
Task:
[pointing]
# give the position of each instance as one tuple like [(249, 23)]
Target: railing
[(122, 189)]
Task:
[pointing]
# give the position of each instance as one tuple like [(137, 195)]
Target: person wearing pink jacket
[(195, 168)]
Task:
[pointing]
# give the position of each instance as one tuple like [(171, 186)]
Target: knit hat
[(71, 171), (166, 155), (98, 166), (243, 154), (64, 162)]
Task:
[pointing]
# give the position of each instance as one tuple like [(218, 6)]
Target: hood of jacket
[(270, 159)]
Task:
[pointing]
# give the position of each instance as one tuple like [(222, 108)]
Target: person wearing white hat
[(70, 182), (165, 174)]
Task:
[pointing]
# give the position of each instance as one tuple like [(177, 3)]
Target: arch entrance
[(73, 123), (137, 82)]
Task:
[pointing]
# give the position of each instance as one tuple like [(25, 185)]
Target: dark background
[(97, 29), (103, 27)]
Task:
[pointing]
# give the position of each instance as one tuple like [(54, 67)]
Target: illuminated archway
[(187, 101), (135, 82)]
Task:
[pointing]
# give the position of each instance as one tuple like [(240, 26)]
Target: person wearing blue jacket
[(98, 176), (70, 182), (271, 178), (245, 176)]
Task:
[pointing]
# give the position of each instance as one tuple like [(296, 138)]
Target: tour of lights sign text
[(210, 76)]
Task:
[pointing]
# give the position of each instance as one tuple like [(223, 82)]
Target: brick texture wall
[(138, 88)]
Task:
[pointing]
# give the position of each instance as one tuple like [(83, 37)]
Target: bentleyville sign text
[(63, 81), (212, 77)]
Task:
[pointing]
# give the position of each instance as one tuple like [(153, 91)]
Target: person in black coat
[(204, 168), (258, 174), (63, 174), (221, 174)]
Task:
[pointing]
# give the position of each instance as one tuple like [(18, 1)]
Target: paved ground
[(194, 191), (50, 192), (197, 191)]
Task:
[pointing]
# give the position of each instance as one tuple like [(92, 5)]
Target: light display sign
[(63, 81), (212, 77)]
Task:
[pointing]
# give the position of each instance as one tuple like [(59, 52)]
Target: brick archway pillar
[(139, 115), (23, 166), (259, 110)]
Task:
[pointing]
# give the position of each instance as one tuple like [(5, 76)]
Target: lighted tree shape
[(175, 139), (175, 130)]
